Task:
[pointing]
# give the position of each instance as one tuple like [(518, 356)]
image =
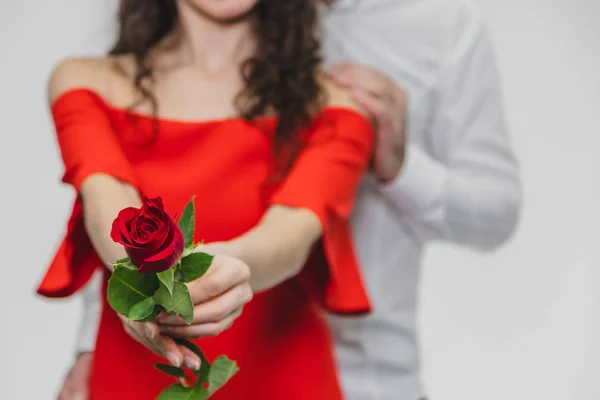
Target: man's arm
[(463, 185)]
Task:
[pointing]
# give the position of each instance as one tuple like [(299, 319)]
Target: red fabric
[(324, 179), (281, 342)]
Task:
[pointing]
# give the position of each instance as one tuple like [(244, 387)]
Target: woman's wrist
[(229, 248)]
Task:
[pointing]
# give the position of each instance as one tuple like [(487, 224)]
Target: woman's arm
[(464, 186), (103, 197), (277, 248), (322, 182), (100, 172), (101, 194), (314, 200)]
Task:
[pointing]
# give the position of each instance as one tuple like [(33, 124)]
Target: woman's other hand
[(218, 296)]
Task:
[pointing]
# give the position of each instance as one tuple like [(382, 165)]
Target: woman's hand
[(148, 334), (218, 296)]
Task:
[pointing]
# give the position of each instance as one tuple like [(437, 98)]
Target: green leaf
[(180, 302), (127, 288), (186, 223), (178, 392), (221, 370), (166, 277), (171, 370), (142, 310), (202, 373), (124, 263), (189, 250), (194, 266)]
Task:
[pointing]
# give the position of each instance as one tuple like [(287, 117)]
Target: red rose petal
[(137, 256), (159, 262), (118, 233), (166, 258)]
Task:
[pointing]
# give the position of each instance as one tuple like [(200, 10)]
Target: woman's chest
[(225, 165)]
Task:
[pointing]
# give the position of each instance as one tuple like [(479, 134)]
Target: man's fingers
[(375, 106), (71, 394), (75, 386), (219, 279), (203, 330), (213, 310), (365, 78), (66, 392)]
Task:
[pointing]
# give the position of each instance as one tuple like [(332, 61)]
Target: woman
[(224, 100)]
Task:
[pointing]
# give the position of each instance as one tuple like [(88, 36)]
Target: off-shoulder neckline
[(166, 120)]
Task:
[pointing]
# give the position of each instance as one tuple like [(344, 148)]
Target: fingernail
[(192, 363), (173, 359)]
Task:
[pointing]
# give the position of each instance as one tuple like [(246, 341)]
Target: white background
[(520, 324)]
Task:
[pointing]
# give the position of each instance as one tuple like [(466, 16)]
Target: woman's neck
[(209, 44)]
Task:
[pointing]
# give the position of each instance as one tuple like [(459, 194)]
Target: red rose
[(153, 241)]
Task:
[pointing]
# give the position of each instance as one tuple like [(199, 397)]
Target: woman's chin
[(223, 10)]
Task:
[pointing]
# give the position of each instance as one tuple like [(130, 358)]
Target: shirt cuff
[(419, 186), (92, 309)]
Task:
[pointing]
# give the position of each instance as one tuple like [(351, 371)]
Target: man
[(443, 169)]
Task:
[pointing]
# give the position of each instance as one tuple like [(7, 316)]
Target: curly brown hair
[(281, 77)]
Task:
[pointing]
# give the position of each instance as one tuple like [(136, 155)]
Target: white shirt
[(459, 182)]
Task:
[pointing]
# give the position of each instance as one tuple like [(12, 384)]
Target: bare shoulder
[(99, 74), (339, 96)]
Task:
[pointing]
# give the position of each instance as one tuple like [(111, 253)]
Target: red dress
[(280, 342)]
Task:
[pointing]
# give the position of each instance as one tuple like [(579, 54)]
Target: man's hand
[(386, 102), (76, 385)]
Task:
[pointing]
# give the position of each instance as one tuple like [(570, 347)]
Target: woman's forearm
[(103, 197), (276, 249)]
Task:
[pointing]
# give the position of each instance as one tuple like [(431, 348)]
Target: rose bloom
[(152, 239)]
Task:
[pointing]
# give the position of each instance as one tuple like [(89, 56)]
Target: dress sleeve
[(324, 179), (88, 144)]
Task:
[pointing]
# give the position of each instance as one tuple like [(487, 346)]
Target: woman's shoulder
[(107, 77)]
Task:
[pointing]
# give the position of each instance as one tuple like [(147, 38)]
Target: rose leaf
[(221, 370), (127, 288), (178, 392), (186, 223), (194, 266), (166, 277), (144, 310), (180, 302)]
